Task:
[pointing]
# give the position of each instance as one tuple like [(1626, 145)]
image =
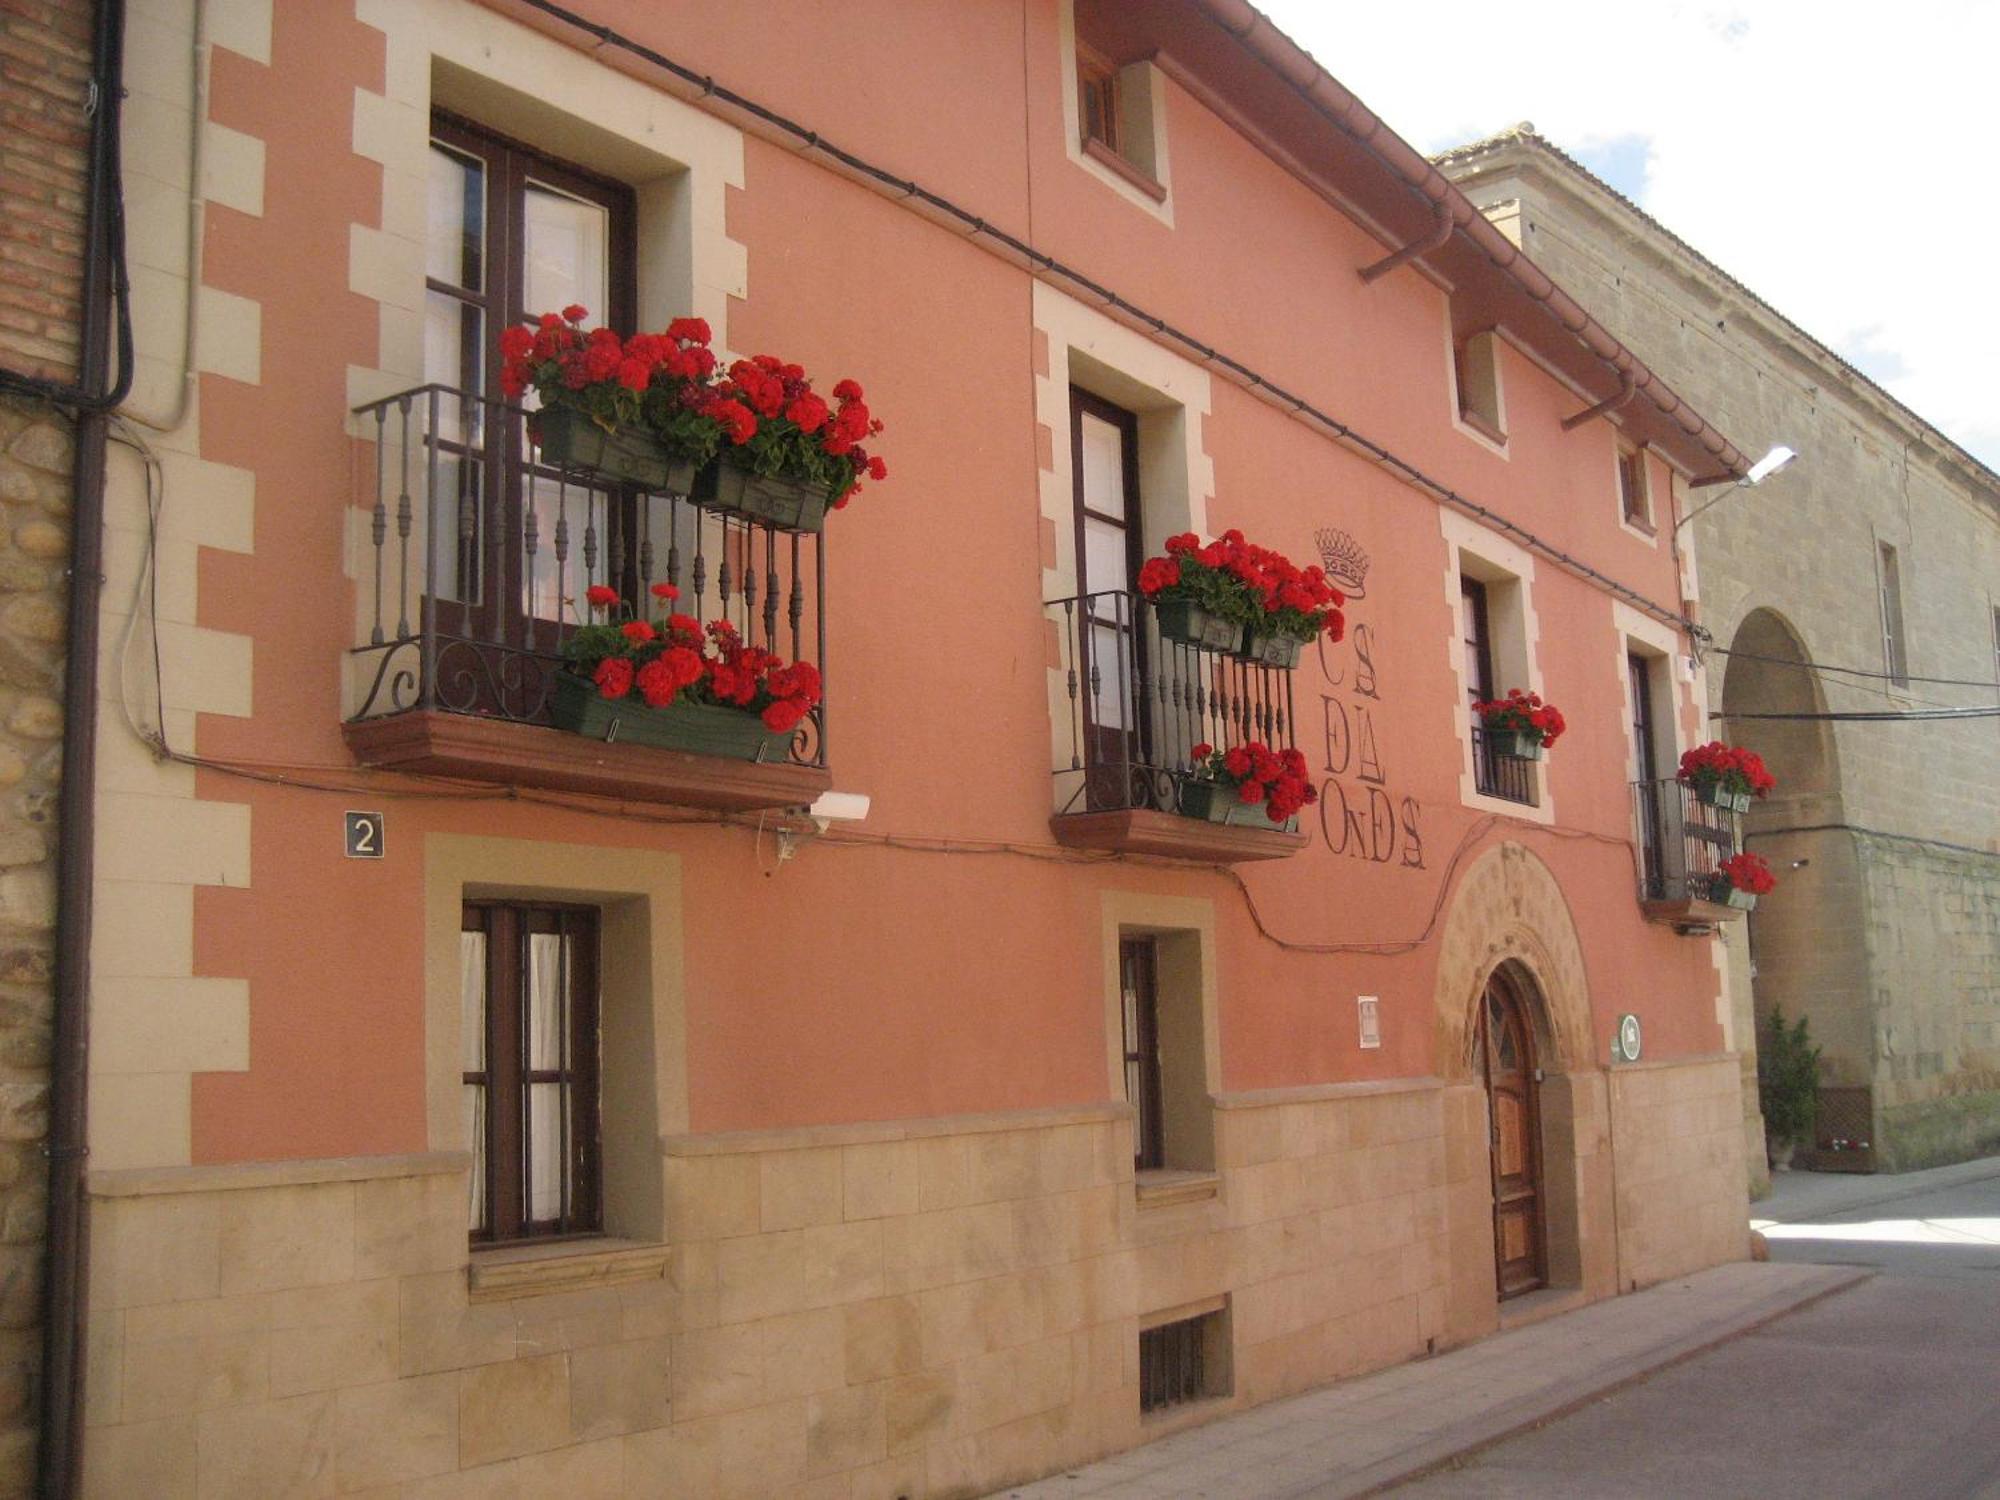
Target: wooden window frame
[(1635, 492), (509, 167), (1097, 100), (1139, 976), (507, 1077), (1479, 646)]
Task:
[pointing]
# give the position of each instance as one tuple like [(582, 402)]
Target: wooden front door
[(1507, 1046)]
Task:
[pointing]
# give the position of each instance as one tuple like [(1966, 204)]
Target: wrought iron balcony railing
[(1134, 705), (1682, 841), (478, 556), (1507, 777)]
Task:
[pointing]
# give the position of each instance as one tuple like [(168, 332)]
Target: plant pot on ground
[(1787, 1083)]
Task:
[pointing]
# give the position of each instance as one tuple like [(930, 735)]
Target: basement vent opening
[(1183, 1361)]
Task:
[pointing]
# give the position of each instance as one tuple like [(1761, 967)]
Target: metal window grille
[(1174, 1365), (1502, 776)]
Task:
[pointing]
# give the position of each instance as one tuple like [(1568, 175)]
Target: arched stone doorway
[(1509, 928), (1805, 946)]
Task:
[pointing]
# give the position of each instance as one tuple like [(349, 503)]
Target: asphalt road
[(1890, 1389)]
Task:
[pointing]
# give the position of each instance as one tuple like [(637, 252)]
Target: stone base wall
[(35, 498), (929, 1309), (1678, 1149)]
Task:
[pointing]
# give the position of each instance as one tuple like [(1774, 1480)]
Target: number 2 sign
[(364, 835)]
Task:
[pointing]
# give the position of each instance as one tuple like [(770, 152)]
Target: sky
[(1831, 156)]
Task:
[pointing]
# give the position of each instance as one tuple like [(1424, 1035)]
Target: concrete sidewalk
[(1804, 1197), (1362, 1435)]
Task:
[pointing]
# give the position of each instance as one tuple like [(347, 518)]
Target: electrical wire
[(1814, 666), (1885, 716)]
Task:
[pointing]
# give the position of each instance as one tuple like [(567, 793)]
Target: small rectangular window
[(1138, 982), (529, 1021), (1894, 649), (1183, 1361), (1097, 99), (1634, 500), (1476, 369)]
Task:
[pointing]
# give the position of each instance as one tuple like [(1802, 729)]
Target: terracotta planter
[(1715, 795), (1515, 744), (784, 504), (1212, 802), (698, 728), (1280, 651), (569, 440), (1188, 623)]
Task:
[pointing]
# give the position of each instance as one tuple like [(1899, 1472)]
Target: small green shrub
[(1787, 1079)]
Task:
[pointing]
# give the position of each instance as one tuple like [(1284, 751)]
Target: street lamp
[(1760, 471)]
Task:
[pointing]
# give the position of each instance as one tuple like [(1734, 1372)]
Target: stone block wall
[(927, 1309), (1677, 1140)]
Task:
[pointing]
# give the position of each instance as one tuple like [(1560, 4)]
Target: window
[(1494, 775), (1893, 646), (1117, 122), (1163, 1047), (528, 994), (512, 233), (1635, 498), (1182, 1361), (1996, 645), (1138, 974), (1645, 768), (1476, 373)]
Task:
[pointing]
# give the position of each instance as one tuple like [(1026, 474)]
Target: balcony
[(1506, 777), (1127, 707), (1682, 844), (472, 571)]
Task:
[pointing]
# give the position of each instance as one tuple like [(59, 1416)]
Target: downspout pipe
[(1447, 220), (1628, 387), (59, 1453), (1255, 32)]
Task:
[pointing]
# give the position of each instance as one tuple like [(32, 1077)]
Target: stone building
[(1864, 578), (46, 57), (486, 1107)]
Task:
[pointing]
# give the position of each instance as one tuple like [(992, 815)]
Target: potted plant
[(1249, 785), (626, 409), (789, 456), (1787, 1086), (1726, 776), (1520, 725), (1741, 879), (1233, 595), (677, 683)]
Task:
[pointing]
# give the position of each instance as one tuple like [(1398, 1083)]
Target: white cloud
[(1826, 155)]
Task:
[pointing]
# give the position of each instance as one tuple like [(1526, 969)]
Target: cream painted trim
[(1463, 536), (643, 997), (1629, 626), (1133, 911), (1163, 209), (148, 1182), (1314, 1093), (869, 1132)]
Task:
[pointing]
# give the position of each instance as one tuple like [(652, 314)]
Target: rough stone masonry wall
[(44, 76)]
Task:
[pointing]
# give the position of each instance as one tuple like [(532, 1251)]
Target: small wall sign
[(364, 835), (1371, 1020), (1626, 1044)]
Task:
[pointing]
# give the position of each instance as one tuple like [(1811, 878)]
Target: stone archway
[(1806, 943), (1508, 915)]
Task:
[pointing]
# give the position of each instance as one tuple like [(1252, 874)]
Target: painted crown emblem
[(1344, 560)]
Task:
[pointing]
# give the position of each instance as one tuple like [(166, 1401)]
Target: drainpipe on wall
[(105, 289)]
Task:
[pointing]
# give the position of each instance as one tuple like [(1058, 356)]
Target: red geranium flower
[(601, 597), (613, 676), (637, 631)]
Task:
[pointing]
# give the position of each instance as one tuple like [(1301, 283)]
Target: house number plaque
[(364, 835), (1625, 1046)]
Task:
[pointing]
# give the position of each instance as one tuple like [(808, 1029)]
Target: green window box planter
[(1713, 793), (698, 728), (1212, 802), (1725, 894), (786, 504), (1515, 744), (571, 441), (1188, 623), (1280, 651)]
